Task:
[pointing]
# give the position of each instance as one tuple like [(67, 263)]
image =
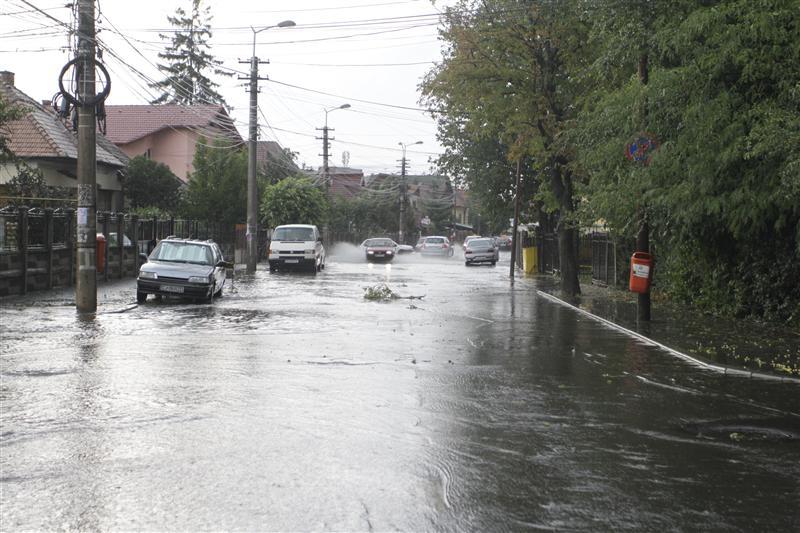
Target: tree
[(217, 188), (151, 184), (504, 93), (723, 192), (187, 61), (293, 201)]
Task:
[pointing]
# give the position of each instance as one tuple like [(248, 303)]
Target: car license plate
[(172, 288), (292, 261), (379, 254)]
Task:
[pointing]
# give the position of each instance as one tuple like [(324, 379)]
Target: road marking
[(716, 368)]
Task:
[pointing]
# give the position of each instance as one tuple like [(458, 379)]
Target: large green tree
[(187, 61), (293, 201), (217, 190), (723, 192), (505, 92), (151, 184)]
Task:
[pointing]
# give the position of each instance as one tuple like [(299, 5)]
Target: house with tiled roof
[(46, 142), (270, 154), (169, 133), (345, 182)]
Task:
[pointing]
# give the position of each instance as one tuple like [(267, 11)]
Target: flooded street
[(292, 403)]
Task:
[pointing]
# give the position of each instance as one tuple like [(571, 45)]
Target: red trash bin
[(641, 272), (101, 252)]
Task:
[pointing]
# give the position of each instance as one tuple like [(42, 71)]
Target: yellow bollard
[(530, 260)]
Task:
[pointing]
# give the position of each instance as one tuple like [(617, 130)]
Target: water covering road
[(292, 403)]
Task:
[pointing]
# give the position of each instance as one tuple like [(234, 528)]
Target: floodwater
[(293, 403)]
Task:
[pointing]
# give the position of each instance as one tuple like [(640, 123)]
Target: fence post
[(22, 244), (68, 219), (121, 243), (135, 240), (106, 266), (48, 224), (172, 225)]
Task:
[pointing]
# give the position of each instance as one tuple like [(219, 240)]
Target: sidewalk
[(737, 344)]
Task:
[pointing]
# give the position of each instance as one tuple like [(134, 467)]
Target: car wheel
[(494, 263), (272, 268), (218, 294), (141, 297), (210, 297), (466, 263)]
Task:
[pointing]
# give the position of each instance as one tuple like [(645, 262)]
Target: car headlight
[(370, 252), (148, 275), (389, 252), (198, 279)]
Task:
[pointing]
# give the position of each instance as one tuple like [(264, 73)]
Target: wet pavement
[(293, 403)]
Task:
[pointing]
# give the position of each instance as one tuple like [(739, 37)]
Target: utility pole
[(514, 239), (403, 198), (252, 183), (643, 236), (326, 145), (86, 280)]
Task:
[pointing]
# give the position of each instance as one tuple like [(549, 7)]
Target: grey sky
[(358, 51)]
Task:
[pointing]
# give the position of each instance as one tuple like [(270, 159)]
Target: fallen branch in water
[(383, 293)]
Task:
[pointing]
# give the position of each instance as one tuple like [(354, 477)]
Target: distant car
[(504, 242), (405, 249), (379, 249), (418, 246), (112, 239), (483, 250), (436, 245), (469, 238), (185, 268), (296, 246)]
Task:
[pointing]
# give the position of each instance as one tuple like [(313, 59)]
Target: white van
[(297, 246)]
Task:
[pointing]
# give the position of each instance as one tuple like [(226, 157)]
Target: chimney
[(7, 77)]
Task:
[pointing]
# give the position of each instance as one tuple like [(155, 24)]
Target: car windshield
[(477, 243), (434, 240), (183, 252), (384, 243), (293, 234)]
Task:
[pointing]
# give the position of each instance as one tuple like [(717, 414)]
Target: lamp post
[(325, 140), (403, 189), (252, 186)]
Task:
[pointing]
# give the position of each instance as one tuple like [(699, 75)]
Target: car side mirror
[(319, 239), (143, 258)]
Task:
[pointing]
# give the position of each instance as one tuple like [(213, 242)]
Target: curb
[(695, 361)]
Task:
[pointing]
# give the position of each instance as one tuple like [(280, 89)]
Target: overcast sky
[(361, 52)]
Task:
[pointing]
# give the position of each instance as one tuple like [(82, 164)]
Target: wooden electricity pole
[(514, 239), (643, 236), (86, 279)]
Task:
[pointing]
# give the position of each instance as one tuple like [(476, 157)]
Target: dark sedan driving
[(379, 249)]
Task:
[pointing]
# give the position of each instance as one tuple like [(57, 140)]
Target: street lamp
[(325, 176), (252, 187), (403, 188)]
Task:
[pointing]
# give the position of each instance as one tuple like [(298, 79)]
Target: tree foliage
[(566, 84), (187, 60), (151, 184), (293, 201), (217, 188)]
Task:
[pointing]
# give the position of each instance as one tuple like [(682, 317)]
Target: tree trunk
[(568, 257)]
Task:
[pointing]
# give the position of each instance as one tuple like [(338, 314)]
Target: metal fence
[(38, 246)]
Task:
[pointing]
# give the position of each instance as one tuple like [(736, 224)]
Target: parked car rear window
[(293, 234), (379, 242), (480, 242), (435, 240)]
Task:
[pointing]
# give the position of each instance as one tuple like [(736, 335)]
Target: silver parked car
[(481, 250), (436, 245)]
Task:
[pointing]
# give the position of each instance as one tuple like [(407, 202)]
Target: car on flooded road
[(481, 250), (436, 245), (186, 268), (296, 246), (379, 249)]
